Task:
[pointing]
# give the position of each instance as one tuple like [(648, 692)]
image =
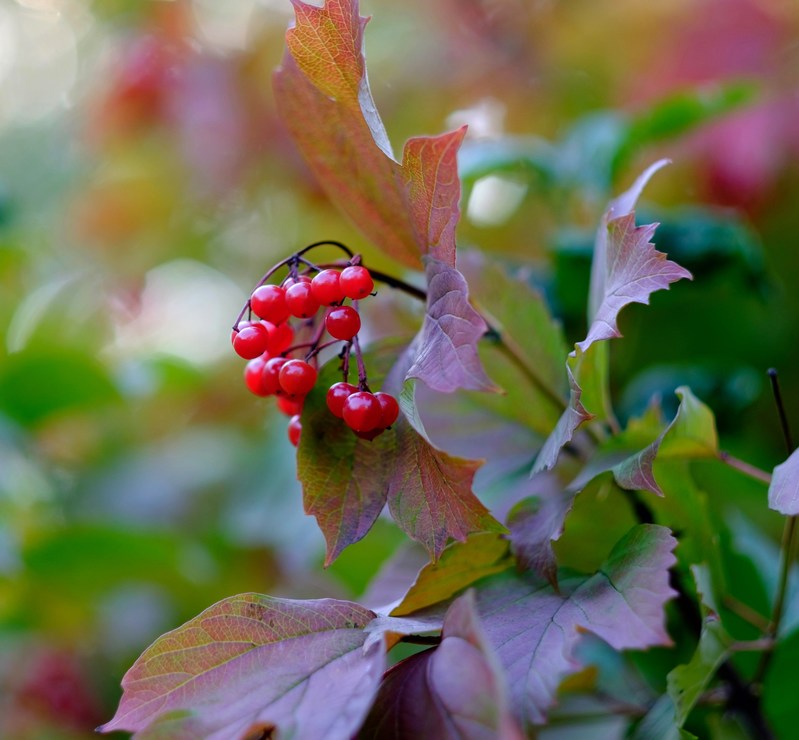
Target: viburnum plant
[(506, 634)]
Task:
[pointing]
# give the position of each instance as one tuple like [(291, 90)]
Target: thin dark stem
[(346, 350), (786, 429), (787, 546), (326, 243), (390, 280)]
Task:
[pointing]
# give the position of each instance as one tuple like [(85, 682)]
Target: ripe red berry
[(271, 375), (362, 411), (389, 409), (294, 430), (336, 396), (290, 406), (253, 376), (326, 288), (289, 281), (280, 338), (269, 302), (356, 282), (300, 301), (297, 377), (250, 340), (342, 322)]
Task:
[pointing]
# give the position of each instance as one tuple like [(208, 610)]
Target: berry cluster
[(267, 341)]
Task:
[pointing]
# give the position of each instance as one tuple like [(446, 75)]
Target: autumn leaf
[(346, 480), (626, 268), (535, 631), (454, 691), (250, 659), (446, 356), (407, 209)]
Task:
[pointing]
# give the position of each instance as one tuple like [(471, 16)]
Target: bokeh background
[(146, 183)]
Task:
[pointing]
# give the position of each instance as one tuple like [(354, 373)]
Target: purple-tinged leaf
[(446, 353), (783, 492), (454, 691), (620, 206), (346, 480), (460, 565), (430, 493), (534, 524), (250, 659), (634, 270), (535, 631), (389, 630), (322, 93), (395, 577), (574, 415)]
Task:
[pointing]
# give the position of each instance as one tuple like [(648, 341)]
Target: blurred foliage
[(145, 184)]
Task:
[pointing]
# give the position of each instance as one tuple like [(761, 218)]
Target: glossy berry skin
[(253, 376), (289, 281), (342, 322), (356, 282), (294, 430), (362, 412), (336, 395), (300, 301), (297, 377), (270, 376), (280, 338), (289, 406), (326, 287), (250, 340), (269, 302), (389, 409)]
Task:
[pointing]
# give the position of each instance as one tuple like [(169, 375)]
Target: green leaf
[(687, 682), (461, 564)]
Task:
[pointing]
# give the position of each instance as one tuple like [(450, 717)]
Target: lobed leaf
[(347, 481), (446, 352), (783, 491), (535, 631), (430, 493), (322, 93), (248, 660), (456, 690)]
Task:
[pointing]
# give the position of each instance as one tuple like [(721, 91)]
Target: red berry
[(271, 375), (300, 301), (269, 303), (297, 377), (389, 409), (370, 435), (362, 411), (356, 282), (342, 322), (326, 288), (289, 406), (289, 281), (295, 429), (253, 376), (250, 340), (336, 396), (280, 338)]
